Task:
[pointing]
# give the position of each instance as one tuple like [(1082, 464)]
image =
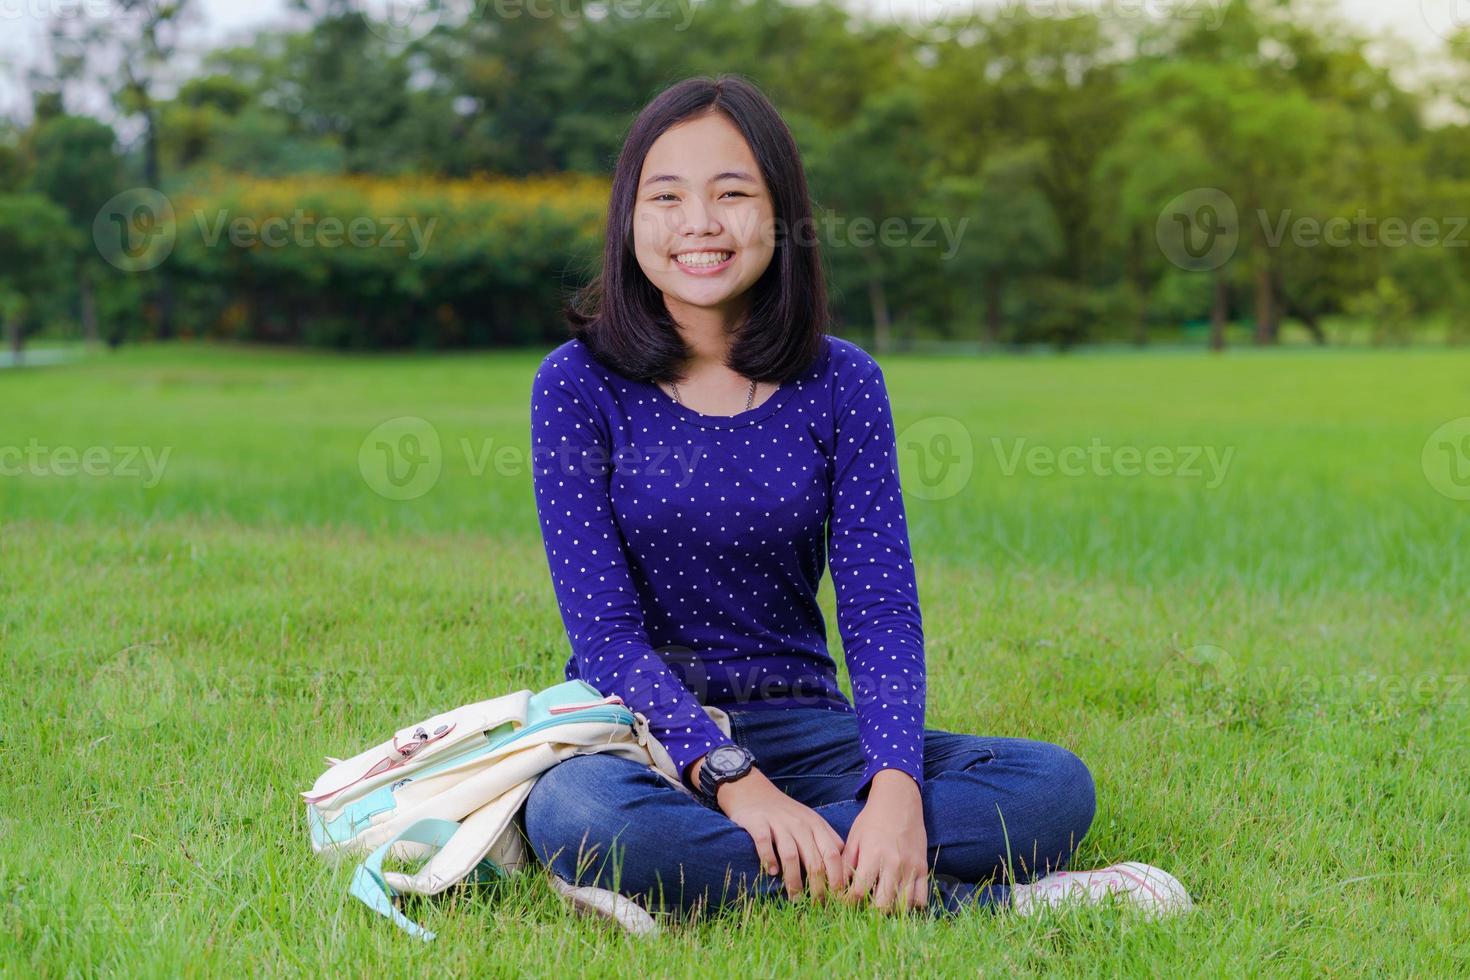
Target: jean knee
[(571, 814), (1073, 793)]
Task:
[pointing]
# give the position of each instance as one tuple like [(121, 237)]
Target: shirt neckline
[(775, 401), (768, 407)]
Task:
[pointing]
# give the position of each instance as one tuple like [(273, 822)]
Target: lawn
[(1235, 585)]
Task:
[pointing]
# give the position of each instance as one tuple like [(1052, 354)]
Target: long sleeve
[(873, 576), (571, 465)]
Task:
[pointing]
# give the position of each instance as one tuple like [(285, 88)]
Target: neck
[(707, 330)]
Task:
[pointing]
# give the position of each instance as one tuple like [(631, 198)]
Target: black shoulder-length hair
[(621, 315)]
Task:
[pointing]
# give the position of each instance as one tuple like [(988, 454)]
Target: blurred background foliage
[(1053, 144)]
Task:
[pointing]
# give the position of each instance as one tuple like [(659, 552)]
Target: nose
[(698, 219)]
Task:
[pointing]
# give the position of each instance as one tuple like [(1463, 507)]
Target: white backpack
[(449, 788)]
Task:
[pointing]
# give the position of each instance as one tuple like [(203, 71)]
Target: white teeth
[(702, 259)]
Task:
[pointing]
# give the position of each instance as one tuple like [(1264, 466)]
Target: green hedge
[(383, 262)]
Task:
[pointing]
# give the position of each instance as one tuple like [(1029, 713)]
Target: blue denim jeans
[(996, 810)]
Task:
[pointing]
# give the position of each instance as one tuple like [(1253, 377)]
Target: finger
[(837, 874), (864, 876), (767, 852), (920, 897), (910, 892), (826, 867), (815, 865), (790, 854), (887, 889), (851, 858)]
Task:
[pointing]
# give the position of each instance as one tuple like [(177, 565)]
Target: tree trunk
[(1136, 280), (164, 292), (1291, 308), (13, 337), (1219, 312), (878, 299), (993, 316), (1266, 325), (89, 304)]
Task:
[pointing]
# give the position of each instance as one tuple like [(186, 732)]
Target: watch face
[(726, 758)]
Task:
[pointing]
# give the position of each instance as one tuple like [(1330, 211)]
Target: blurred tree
[(871, 171), (13, 165), (1010, 229), (36, 245), (134, 53), (76, 166)]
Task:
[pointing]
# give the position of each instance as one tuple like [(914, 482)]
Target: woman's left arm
[(882, 640)]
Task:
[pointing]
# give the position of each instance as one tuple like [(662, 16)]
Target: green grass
[(182, 655)]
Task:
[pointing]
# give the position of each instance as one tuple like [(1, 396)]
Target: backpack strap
[(370, 885)]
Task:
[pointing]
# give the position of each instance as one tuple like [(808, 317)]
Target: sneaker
[(1139, 886), (603, 904)]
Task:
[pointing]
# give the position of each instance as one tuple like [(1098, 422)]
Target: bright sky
[(1421, 22)]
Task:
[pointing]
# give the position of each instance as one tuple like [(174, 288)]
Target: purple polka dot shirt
[(686, 550)]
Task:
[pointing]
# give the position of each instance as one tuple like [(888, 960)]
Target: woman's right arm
[(599, 604), (570, 459)]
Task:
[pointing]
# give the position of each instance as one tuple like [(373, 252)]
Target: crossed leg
[(996, 810)]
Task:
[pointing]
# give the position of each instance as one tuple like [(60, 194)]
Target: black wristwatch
[(723, 764)]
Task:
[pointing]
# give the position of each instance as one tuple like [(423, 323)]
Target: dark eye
[(663, 197), (736, 193)]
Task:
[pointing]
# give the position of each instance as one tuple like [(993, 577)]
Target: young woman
[(702, 447)]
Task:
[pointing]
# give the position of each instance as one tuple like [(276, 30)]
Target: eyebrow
[(676, 179)]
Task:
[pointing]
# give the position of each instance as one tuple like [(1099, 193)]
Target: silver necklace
[(749, 399)]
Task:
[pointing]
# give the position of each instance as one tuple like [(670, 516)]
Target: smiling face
[(703, 221)]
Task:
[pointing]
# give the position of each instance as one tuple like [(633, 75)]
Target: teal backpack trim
[(368, 884)]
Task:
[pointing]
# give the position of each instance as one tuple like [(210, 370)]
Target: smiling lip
[(703, 261)]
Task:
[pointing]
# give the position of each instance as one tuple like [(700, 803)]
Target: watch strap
[(709, 785)]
